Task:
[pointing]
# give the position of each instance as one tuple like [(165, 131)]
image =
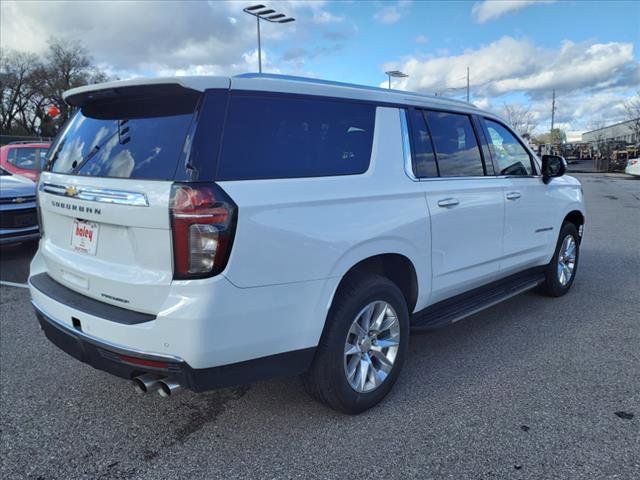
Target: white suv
[(202, 232)]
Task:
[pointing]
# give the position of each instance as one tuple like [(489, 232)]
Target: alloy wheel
[(371, 346), (567, 260)]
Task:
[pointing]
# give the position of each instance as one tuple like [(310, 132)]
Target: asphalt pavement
[(533, 388)]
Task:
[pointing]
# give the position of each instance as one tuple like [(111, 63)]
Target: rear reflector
[(203, 220), (143, 362)]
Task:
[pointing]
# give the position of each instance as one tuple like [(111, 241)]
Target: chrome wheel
[(567, 260), (371, 346)]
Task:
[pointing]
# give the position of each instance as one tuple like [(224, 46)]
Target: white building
[(623, 132)]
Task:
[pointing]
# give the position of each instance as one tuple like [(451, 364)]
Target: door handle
[(448, 202), (513, 195)]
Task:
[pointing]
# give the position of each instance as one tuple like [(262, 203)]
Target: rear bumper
[(112, 358)]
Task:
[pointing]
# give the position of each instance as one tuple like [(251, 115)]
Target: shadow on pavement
[(15, 260)]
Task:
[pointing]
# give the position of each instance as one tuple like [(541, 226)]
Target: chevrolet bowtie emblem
[(71, 191), (19, 200)]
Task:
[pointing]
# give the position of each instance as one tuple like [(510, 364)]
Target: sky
[(517, 51)]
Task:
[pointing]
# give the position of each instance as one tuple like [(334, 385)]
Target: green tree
[(556, 136)]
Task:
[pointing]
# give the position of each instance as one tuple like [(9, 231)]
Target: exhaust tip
[(168, 387), (138, 386), (145, 383)]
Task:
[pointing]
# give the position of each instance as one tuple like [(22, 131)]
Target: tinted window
[(284, 137), (510, 156), (424, 161), (456, 146), (136, 138), (26, 158)]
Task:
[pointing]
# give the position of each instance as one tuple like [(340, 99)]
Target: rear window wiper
[(96, 148)]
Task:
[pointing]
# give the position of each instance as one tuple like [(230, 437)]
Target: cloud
[(483, 103), (322, 16), (512, 65), (590, 79), (581, 111), (486, 10), (421, 39), (392, 13), (153, 37), (297, 57)]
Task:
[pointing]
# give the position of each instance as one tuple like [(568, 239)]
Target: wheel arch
[(396, 267), (577, 218)]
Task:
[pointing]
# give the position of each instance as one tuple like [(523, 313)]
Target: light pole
[(262, 12), (395, 74)]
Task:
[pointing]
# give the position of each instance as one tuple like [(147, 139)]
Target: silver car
[(18, 216)]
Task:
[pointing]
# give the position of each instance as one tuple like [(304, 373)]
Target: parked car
[(211, 231), (18, 218), (24, 158), (633, 167)]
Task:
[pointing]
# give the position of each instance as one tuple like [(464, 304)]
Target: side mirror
[(552, 166)]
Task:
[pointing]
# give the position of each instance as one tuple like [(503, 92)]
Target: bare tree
[(68, 65), (17, 71), (29, 85), (632, 109), (520, 118)]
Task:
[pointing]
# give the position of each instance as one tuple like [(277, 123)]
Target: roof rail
[(276, 76)]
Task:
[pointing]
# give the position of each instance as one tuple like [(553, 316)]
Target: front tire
[(363, 346), (561, 271)]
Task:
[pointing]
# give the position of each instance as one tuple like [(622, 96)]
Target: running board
[(456, 308)]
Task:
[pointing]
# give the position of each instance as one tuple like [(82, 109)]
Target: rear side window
[(456, 146), (289, 137), (507, 152), (139, 138), (424, 161)]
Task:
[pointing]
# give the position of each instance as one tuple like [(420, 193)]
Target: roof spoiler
[(145, 87)]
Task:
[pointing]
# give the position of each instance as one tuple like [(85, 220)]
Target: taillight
[(203, 221)]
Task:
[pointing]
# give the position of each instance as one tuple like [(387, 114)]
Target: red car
[(24, 158)]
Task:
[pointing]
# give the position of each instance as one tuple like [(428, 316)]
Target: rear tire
[(561, 271), (373, 301)]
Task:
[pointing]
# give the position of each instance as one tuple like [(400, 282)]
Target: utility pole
[(467, 84), (553, 109)]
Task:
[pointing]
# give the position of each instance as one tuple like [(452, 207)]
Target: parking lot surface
[(532, 388)]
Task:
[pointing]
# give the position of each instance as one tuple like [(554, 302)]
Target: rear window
[(289, 137), (140, 138)]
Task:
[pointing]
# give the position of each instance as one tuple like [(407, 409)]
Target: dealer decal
[(82, 231)]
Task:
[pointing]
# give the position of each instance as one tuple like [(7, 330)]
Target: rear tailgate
[(104, 195), (108, 238)]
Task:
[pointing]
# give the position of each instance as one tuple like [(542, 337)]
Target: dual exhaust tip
[(148, 383)]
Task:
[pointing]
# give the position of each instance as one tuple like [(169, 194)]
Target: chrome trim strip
[(406, 146), (103, 195), (116, 348)]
